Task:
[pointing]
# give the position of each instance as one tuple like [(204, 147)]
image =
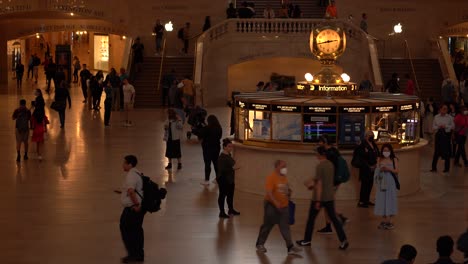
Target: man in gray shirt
[(323, 196)]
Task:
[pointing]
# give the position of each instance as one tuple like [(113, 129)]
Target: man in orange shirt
[(331, 10), (276, 208), (188, 91)]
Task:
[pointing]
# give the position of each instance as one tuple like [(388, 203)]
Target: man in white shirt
[(131, 220), (442, 126), (129, 99)]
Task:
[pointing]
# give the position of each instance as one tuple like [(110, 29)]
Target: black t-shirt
[(159, 30), (85, 75)]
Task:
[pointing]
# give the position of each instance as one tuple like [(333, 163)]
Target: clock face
[(328, 41)]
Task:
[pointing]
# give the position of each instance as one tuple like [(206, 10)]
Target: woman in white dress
[(386, 179)]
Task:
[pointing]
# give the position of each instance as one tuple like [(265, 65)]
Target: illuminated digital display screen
[(318, 125)]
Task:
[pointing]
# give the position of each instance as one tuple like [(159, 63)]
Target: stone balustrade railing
[(275, 26)]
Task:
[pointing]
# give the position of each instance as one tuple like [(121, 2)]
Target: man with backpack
[(22, 115), (131, 220), (341, 176)]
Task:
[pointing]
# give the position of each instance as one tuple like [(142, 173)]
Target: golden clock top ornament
[(327, 43)]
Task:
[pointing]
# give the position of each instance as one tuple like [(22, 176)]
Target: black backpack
[(180, 33), (152, 195)]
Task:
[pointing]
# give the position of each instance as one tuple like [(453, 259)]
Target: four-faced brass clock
[(327, 42)]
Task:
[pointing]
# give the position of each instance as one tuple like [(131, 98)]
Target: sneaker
[(303, 243), (129, 259), (261, 249), (233, 212), (25, 157), (179, 166), (169, 166), (294, 250), (344, 220), (223, 215), (325, 231), (445, 171), (18, 158), (389, 226), (344, 245), (433, 170), (370, 204)]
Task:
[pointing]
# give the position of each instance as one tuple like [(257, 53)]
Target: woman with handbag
[(386, 180), (172, 134), (60, 101)]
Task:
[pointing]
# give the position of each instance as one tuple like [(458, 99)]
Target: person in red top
[(276, 208), (39, 123), (331, 11), (461, 131), (409, 85)]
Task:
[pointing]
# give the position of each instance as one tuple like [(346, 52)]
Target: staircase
[(310, 9), (146, 81), (428, 73)]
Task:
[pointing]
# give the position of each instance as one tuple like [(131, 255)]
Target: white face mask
[(386, 154), (284, 171)]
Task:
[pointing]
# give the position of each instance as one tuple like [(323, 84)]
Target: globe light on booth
[(345, 77), (308, 77)]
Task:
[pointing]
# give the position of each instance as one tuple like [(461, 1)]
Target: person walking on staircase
[(159, 34), (138, 49), (186, 37)]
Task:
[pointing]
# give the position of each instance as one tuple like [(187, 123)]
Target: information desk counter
[(255, 163)]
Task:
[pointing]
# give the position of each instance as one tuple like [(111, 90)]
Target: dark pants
[(107, 110), (121, 98), (30, 70), (186, 44), (226, 193), (84, 89), (330, 210), (62, 116), (165, 93), (210, 156), (461, 141), (75, 75), (131, 229), (19, 79), (49, 80), (366, 177), (274, 216), (96, 100)]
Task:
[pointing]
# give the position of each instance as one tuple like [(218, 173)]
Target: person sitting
[(407, 255), (445, 250)]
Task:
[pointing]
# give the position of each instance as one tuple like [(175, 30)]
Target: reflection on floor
[(64, 210)]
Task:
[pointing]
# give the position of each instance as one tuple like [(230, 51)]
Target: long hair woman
[(39, 123), (211, 136), (225, 179), (386, 178)]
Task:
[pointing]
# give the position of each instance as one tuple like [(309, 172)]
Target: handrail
[(412, 66)]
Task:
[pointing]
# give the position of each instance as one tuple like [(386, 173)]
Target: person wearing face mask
[(333, 155), (323, 196), (367, 153), (386, 204), (225, 179), (442, 126), (461, 131), (276, 208)]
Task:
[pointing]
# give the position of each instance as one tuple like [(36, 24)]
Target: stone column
[(3, 62)]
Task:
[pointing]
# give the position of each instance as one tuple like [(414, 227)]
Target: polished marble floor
[(64, 210)]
